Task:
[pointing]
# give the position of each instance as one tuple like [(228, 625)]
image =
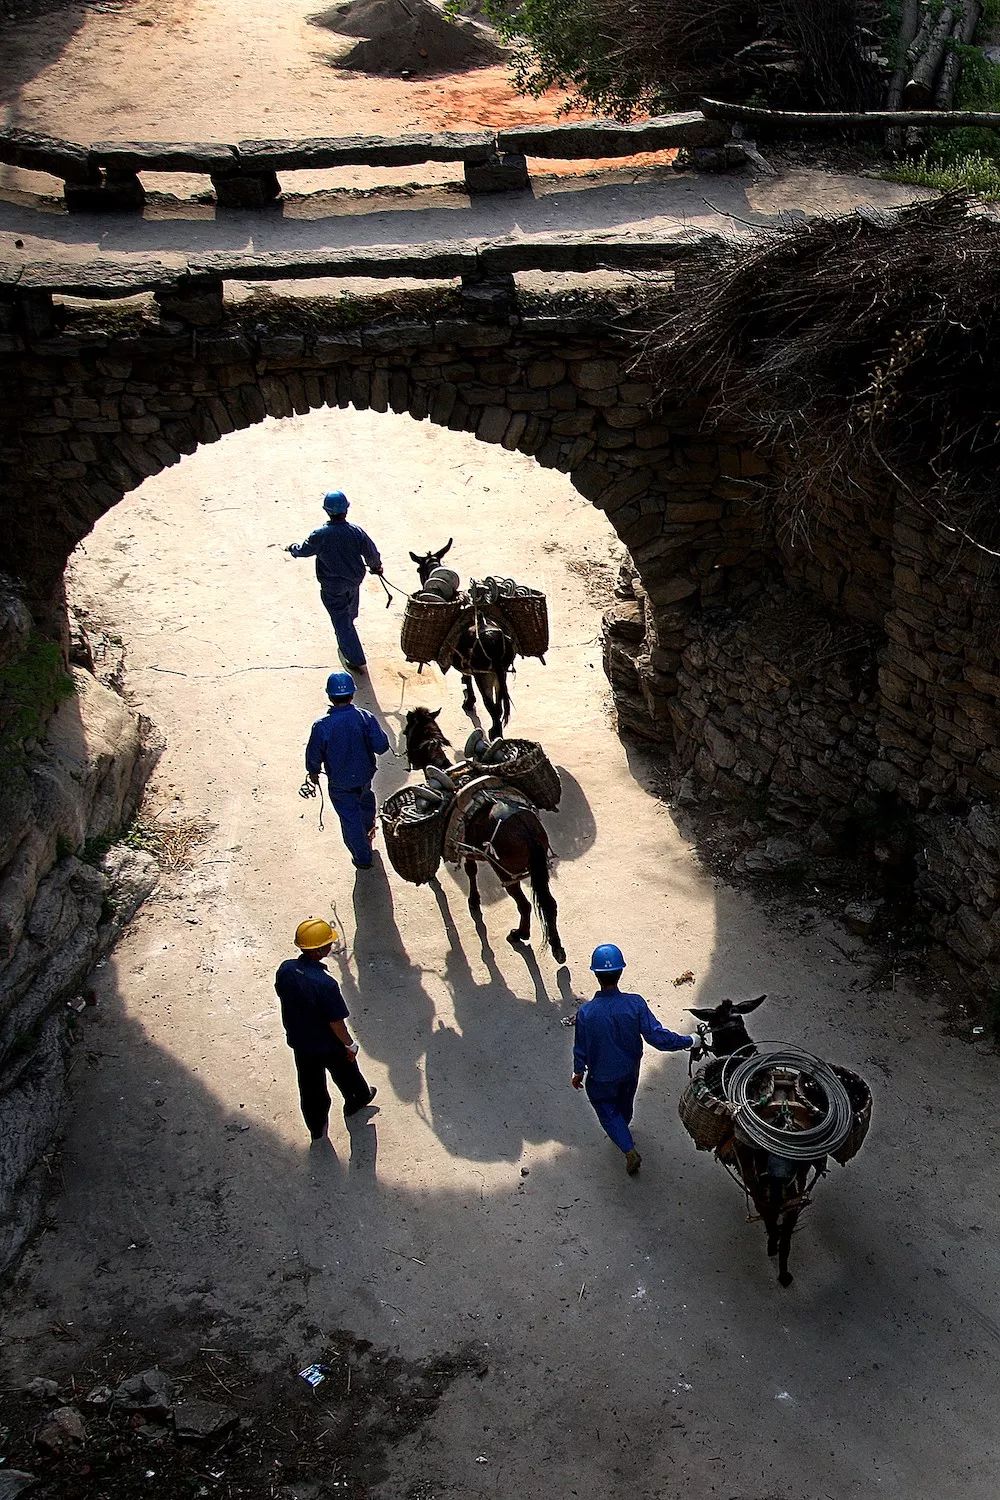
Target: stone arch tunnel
[(817, 678), (98, 406)]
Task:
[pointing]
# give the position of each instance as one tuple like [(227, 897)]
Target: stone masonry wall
[(848, 678), (73, 764)]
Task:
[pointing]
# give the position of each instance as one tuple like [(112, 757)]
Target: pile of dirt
[(398, 36)]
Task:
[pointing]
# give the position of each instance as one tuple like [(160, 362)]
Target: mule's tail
[(539, 864)]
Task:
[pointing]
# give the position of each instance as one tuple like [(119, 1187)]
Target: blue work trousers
[(342, 605), (356, 811), (613, 1103)]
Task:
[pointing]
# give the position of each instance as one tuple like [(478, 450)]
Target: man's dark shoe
[(359, 866), (318, 1135), (633, 1161), (363, 1105)]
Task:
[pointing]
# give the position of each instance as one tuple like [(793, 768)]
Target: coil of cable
[(742, 1075)]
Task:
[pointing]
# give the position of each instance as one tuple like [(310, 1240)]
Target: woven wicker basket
[(426, 622), (412, 844), (704, 1114), (861, 1102), (524, 764), (526, 616)]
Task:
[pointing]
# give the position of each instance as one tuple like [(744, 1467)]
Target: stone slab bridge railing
[(192, 292), (107, 177)]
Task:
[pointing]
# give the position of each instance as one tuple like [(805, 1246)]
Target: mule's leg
[(486, 682), (785, 1231), (475, 904), (550, 913), (468, 696), (522, 932), (773, 1234)]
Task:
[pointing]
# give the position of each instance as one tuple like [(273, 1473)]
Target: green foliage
[(969, 157), (562, 44), (979, 81), (31, 686), (95, 849), (974, 173)]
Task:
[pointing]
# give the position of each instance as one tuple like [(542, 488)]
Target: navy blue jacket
[(341, 552), (610, 1031), (310, 1000), (345, 743)]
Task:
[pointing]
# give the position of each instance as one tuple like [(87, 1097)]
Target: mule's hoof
[(786, 1278), (515, 937), (559, 954)]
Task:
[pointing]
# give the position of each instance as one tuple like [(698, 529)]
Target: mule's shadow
[(469, 1095)]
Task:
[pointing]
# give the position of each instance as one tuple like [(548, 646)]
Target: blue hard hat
[(336, 503), (607, 959), (340, 685)]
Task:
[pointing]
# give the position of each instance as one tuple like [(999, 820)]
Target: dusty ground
[(636, 1341), (206, 70)]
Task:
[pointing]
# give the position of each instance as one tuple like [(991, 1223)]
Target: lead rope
[(308, 790)]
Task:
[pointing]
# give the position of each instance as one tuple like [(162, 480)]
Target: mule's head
[(424, 738), (725, 1022), (427, 562)]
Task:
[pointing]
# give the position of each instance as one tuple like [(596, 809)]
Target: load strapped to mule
[(779, 1099), (437, 614), (423, 824)]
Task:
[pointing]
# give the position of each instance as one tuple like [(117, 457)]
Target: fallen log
[(921, 35), (948, 119), (919, 90), (962, 36), (907, 32)]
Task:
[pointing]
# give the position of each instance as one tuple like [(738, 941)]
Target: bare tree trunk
[(919, 91), (964, 31), (921, 36), (907, 31)]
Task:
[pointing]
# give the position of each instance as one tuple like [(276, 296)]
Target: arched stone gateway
[(849, 679), (96, 408)]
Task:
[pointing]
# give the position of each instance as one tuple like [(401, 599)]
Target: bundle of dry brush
[(859, 350), (792, 52)]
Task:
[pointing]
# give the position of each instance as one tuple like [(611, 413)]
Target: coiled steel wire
[(741, 1080)]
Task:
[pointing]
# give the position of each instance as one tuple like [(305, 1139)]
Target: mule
[(777, 1186), (483, 655), (508, 837)]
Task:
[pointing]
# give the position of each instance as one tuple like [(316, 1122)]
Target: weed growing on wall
[(31, 687)]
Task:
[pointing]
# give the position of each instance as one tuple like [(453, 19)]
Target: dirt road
[(635, 1339)]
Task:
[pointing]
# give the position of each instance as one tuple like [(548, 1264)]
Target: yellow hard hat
[(314, 932)]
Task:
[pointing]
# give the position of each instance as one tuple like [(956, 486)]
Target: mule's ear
[(415, 558), (435, 713), (746, 1006), (703, 1015), (444, 549)]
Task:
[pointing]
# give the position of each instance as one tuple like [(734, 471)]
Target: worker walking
[(342, 552), (313, 1014), (607, 1049), (345, 744)]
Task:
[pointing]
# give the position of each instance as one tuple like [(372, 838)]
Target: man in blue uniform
[(313, 1015), (607, 1049), (342, 552), (345, 744)]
